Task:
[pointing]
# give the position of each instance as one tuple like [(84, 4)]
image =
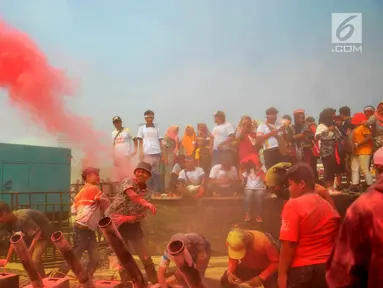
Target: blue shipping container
[(35, 169)]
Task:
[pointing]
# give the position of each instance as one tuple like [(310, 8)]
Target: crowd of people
[(314, 248), (233, 160)]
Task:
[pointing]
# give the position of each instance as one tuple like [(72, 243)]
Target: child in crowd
[(253, 180), (202, 155), (177, 168)]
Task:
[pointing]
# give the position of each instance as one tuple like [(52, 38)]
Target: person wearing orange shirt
[(308, 232), (253, 259), (89, 206), (363, 148)]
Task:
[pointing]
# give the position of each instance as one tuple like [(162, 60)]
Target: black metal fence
[(57, 206)]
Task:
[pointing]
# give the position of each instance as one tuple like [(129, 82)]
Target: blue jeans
[(155, 182), (83, 240), (257, 196)]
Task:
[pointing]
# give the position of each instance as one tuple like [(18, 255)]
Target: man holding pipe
[(198, 248), (32, 223), (127, 210)]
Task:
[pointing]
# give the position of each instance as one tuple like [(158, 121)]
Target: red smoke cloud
[(39, 89)]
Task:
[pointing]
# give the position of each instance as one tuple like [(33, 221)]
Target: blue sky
[(186, 59)]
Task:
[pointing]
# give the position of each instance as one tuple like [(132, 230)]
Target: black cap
[(272, 110), (116, 118), (144, 166)]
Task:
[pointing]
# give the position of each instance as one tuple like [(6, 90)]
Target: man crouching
[(190, 248), (253, 259)]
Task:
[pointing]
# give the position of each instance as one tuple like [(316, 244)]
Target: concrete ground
[(216, 268)]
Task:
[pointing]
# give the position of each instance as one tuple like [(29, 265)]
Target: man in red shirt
[(357, 258), (253, 259), (308, 231)]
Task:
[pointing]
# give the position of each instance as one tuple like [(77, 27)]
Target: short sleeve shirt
[(29, 222), (176, 169), (312, 223), (218, 173), (151, 139), (122, 142), (192, 177), (123, 205), (271, 142), (222, 132)]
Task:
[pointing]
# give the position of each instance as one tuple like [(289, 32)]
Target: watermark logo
[(346, 32)]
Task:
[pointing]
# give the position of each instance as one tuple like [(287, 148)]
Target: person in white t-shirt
[(253, 179), (123, 148), (177, 168), (191, 179), (223, 178), (150, 150), (223, 136), (267, 134)]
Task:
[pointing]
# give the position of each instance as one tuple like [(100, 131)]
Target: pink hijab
[(172, 133)]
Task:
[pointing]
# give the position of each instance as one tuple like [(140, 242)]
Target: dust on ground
[(217, 267)]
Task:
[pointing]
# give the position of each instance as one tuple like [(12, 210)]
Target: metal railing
[(57, 207)]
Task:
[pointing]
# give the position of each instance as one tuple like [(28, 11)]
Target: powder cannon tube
[(74, 263), (118, 245), (186, 265), (22, 252)]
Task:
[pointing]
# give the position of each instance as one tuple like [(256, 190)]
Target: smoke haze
[(187, 59)]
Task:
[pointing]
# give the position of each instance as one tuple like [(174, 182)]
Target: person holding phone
[(327, 134)]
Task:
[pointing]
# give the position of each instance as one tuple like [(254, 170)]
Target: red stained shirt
[(357, 258), (260, 255), (312, 223)]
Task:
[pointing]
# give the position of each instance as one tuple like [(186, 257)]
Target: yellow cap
[(235, 243), (275, 175)]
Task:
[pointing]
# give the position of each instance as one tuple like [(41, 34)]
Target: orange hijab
[(188, 141)]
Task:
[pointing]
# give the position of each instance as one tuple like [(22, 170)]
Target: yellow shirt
[(360, 133), (197, 154)]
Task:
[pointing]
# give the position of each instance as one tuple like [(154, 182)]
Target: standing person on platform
[(123, 148), (356, 260), (328, 134), (346, 132), (33, 224), (363, 150), (268, 134), (308, 232), (151, 149), (312, 126), (128, 209), (171, 148), (223, 136), (89, 206)]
